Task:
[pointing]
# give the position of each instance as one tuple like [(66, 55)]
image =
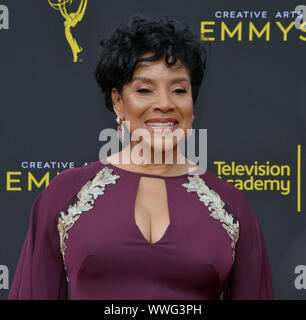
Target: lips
[(162, 120), (161, 124)]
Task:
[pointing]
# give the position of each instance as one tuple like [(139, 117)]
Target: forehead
[(158, 66)]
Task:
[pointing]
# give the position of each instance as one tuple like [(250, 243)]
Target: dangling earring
[(120, 132)]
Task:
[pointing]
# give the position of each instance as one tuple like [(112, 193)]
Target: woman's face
[(154, 93)]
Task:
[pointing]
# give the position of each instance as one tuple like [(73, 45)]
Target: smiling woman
[(157, 99), (161, 65), (145, 229)]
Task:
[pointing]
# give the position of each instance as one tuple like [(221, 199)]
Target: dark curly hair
[(139, 35)]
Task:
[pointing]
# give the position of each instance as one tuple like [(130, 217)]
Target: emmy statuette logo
[(4, 17), (71, 20)]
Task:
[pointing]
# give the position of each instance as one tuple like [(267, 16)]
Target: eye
[(143, 90), (180, 90)]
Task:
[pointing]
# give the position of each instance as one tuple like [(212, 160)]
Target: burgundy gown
[(83, 234)]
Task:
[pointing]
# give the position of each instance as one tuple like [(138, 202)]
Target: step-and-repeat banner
[(252, 103)]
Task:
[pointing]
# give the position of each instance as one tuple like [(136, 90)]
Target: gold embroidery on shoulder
[(215, 205), (86, 198)]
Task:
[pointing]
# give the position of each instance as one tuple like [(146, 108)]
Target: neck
[(170, 162)]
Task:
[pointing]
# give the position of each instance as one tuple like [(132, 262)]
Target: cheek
[(133, 108), (187, 110)]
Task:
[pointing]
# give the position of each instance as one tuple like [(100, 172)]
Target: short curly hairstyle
[(140, 34)]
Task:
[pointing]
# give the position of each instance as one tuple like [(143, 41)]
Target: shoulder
[(234, 198), (73, 178), (66, 185)]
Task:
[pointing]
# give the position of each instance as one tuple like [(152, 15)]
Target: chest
[(151, 210), (148, 225)]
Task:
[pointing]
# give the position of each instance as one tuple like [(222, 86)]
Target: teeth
[(161, 124)]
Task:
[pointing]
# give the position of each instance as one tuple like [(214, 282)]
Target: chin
[(161, 148)]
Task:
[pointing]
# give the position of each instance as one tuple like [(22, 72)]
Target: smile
[(161, 126)]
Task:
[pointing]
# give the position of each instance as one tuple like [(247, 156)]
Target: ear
[(117, 102)]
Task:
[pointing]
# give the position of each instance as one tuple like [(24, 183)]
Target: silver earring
[(120, 132)]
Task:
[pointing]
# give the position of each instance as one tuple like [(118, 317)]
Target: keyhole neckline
[(194, 172), (169, 226)]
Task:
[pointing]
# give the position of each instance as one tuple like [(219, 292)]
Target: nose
[(163, 101)]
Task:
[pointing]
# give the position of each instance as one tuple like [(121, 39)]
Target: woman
[(145, 230)]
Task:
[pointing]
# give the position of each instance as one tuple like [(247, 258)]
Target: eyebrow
[(175, 80)]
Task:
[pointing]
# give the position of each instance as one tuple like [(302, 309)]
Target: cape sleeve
[(250, 276), (40, 272)]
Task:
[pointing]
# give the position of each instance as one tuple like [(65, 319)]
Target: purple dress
[(83, 235)]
